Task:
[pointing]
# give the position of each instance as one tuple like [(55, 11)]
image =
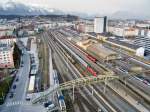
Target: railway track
[(89, 105), (65, 78), (59, 52)]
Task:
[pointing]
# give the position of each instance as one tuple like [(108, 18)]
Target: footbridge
[(80, 82)]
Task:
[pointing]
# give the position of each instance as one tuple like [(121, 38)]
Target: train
[(70, 32), (78, 58), (60, 96), (128, 67), (91, 58), (86, 54), (55, 78), (68, 56), (61, 101)]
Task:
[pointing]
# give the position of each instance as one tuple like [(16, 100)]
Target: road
[(21, 87), (111, 99)]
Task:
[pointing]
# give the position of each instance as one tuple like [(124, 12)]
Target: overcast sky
[(92, 6)]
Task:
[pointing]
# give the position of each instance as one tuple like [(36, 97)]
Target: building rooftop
[(132, 46), (102, 34), (101, 51), (4, 29), (93, 34), (7, 37)]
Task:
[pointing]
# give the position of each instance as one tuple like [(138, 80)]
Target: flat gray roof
[(132, 46)]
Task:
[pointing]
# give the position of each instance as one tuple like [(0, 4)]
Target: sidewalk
[(51, 81), (33, 50)]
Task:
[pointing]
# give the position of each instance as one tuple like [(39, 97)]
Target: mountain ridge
[(14, 8)]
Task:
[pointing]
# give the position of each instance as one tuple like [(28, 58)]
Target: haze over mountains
[(128, 15), (15, 8)]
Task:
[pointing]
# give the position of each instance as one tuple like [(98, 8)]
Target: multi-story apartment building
[(85, 27), (8, 40), (143, 40), (123, 32), (89, 28), (100, 24), (6, 56), (6, 51)]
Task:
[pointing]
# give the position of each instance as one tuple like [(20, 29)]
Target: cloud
[(92, 6)]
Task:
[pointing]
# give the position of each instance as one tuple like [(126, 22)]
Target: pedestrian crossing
[(15, 103)]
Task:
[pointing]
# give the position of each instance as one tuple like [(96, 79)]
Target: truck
[(31, 84)]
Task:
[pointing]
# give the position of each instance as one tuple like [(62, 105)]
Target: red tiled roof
[(7, 37), (4, 29)]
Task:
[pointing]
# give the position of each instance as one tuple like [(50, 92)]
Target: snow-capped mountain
[(129, 15), (14, 8)]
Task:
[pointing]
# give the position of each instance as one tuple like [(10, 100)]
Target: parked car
[(14, 86), (22, 62), (100, 110), (28, 98), (147, 82), (51, 106), (140, 78), (48, 104), (11, 95), (17, 79), (14, 72)]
